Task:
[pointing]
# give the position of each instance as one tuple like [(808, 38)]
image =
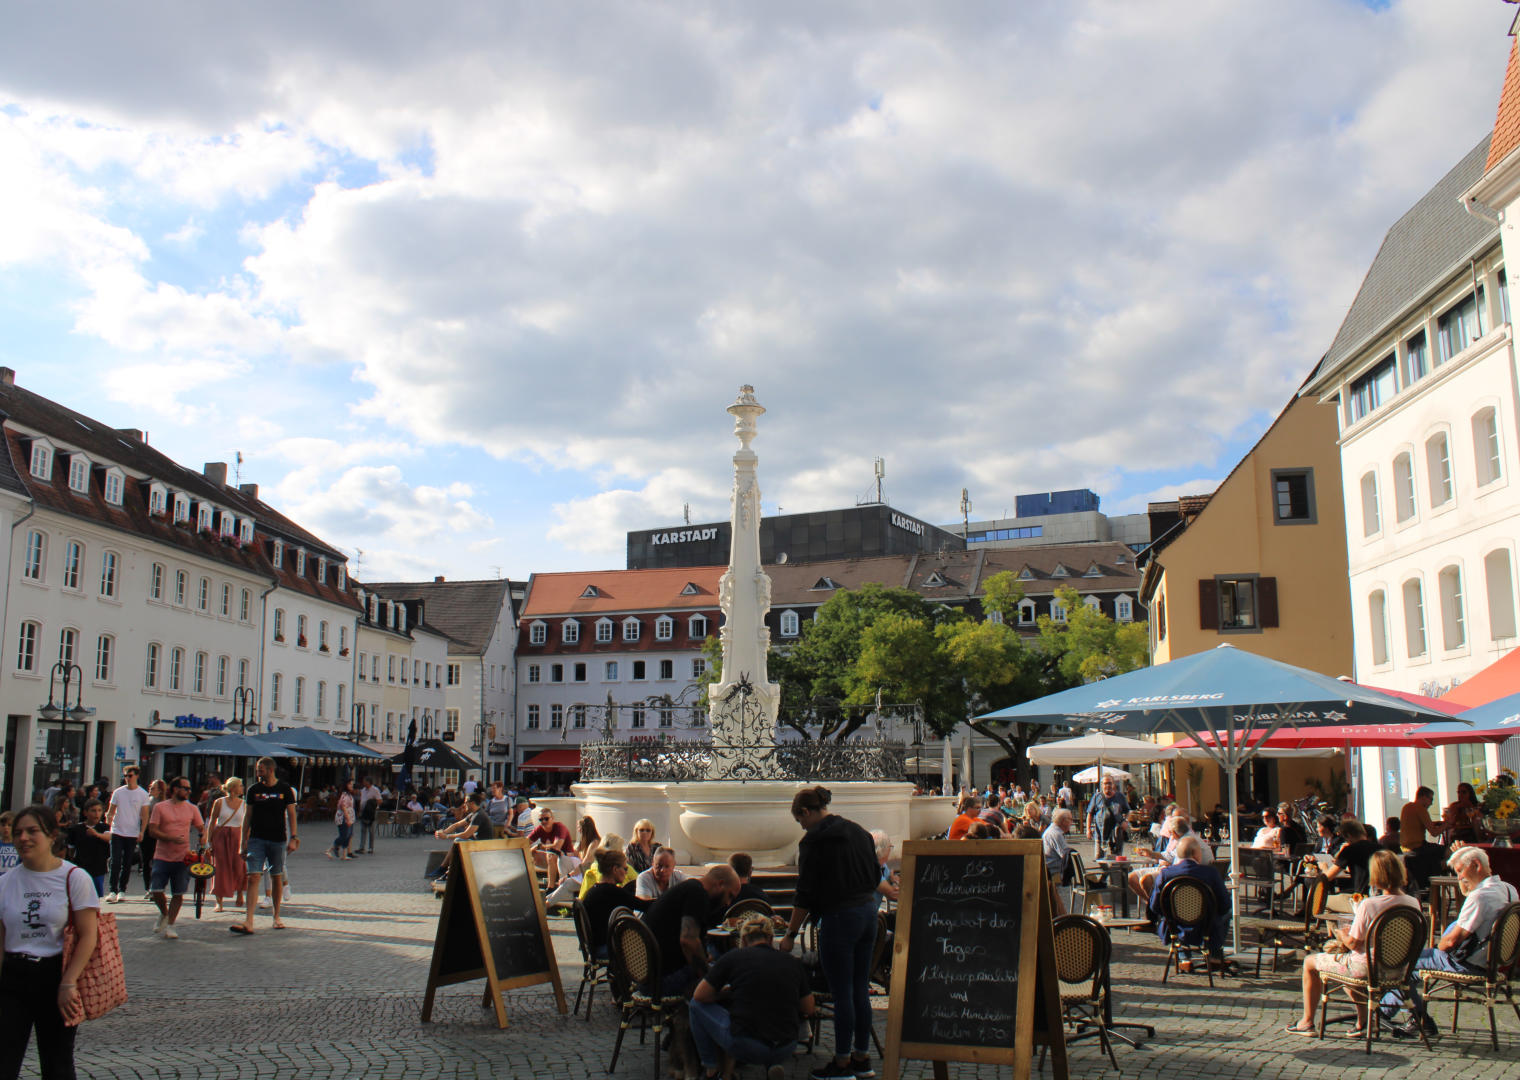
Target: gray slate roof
[(1420, 249), (464, 611)]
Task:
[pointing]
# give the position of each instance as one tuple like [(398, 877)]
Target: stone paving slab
[(338, 994)]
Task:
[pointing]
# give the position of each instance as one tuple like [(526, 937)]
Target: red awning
[(553, 761)]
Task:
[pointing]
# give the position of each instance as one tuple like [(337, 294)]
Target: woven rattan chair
[(594, 971), (1394, 941), (1083, 949), (1186, 904), (1302, 933), (1503, 958), (636, 972), (750, 905)]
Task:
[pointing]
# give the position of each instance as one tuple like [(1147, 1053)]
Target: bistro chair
[(1394, 941), (1082, 951), (1503, 953), (636, 973), (594, 969), (1304, 933), (750, 905), (1258, 875), (881, 953), (1186, 904), (1086, 883)]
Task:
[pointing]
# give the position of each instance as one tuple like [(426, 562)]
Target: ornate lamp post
[(242, 711), (64, 714)]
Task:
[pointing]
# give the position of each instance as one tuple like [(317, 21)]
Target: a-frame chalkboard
[(493, 926), (973, 964)]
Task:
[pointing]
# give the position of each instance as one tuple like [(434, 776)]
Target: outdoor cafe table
[(1118, 872)]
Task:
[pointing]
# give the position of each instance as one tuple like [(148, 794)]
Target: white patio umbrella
[(1100, 747), (1089, 775)]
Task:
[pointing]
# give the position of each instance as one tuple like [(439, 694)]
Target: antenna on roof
[(359, 563), (498, 572), (237, 469), (965, 511), (686, 510)]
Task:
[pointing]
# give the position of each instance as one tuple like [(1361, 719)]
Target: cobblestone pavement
[(338, 994)]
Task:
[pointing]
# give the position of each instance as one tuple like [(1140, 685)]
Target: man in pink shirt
[(170, 824)]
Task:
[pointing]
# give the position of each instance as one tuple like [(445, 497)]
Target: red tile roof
[(663, 589), (1507, 122)]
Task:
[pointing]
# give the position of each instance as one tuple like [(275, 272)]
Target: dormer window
[(158, 498), (790, 624), (936, 580), (300, 562), (824, 584), (1094, 570), (79, 474), (342, 578), (1124, 609), (203, 518), (1060, 571), (696, 627), (401, 616), (630, 629), (227, 522), (590, 592), (603, 631), (570, 632), (114, 486), (181, 508), (42, 459), (538, 633), (1026, 612), (690, 589), (1026, 574), (664, 628), (322, 569), (1092, 602), (278, 555), (245, 530)]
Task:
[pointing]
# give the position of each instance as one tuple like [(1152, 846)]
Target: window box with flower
[(301, 642)]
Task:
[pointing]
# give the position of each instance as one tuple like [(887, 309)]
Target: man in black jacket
[(679, 917)]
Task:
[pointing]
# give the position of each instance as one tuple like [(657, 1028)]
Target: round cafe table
[(1118, 870)]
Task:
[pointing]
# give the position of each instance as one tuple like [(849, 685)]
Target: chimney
[(251, 490), (7, 376), (131, 433), (216, 472), (438, 579)]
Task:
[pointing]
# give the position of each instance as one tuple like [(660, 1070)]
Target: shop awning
[(564, 760)]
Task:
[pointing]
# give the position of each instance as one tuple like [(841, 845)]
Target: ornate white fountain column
[(742, 707)]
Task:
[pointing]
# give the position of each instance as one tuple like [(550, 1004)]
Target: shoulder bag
[(102, 985)]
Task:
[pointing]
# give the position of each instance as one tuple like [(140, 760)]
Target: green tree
[(1002, 593), (1089, 645), (995, 669)]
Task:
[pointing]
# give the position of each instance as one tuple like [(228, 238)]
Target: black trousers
[(29, 1002), (123, 851)]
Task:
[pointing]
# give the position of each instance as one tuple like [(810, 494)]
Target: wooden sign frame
[(462, 887), (1036, 967)]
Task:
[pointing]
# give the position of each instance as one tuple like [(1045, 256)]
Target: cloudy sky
[(469, 285)]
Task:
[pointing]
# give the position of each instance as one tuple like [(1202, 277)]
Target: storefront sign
[(914, 527), (682, 536), (200, 723)]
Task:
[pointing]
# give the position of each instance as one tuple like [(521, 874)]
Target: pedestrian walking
[(169, 824), (90, 845), (37, 992), (157, 793), (369, 809), (226, 825), (344, 818), (127, 818), (269, 833)]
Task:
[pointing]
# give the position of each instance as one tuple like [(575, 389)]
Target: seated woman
[(624, 875), (588, 841), (1463, 820), (1270, 833), (1386, 873)]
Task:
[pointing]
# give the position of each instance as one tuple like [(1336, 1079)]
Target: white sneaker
[(163, 921), (170, 932), (263, 901), (113, 898)]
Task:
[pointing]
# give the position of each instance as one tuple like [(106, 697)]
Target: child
[(8, 857), (90, 845)]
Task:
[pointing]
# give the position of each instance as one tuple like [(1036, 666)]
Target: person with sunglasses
[(170, 824), (550, 842)]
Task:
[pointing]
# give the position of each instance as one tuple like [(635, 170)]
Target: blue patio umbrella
[(232, 745), (314, 740), (1497, 721), (1226, 690)]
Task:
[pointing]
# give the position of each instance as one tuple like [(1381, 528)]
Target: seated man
[(1290, 832), (1057, 850), (678, 919), (1176, 827), (768, 990), (661, 875), (1422, 857), (1189, 850), (550, 843), (1464, 945), (744, 866), (473, 824)]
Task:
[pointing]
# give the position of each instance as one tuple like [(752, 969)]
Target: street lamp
[(63, 713), (242, 709)]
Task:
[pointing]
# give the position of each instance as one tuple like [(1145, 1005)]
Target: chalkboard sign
[(492, 926), (973, 971)]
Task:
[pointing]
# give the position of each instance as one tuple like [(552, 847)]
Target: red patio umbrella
[(1499, 679)]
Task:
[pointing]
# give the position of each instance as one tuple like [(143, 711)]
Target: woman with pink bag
[(345, 821), (38, 991)]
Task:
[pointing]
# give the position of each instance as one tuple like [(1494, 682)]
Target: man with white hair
[(1463, 948), (1173, 831), (1057, 850), (1188, 852)]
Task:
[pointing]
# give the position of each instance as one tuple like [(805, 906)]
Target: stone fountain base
[(707, 821)]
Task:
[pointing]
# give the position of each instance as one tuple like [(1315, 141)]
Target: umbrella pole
[(1098, 833)]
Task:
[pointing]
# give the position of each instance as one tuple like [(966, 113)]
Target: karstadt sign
[(684, 536)]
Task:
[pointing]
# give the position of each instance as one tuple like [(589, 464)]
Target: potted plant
[(1501, 806), (280, 638), (301, 642), (343, 651)]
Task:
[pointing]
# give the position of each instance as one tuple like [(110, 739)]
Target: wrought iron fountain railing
[(688, 760)]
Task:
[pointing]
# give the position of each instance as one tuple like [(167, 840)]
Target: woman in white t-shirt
[(36, 991), (1385, 875)]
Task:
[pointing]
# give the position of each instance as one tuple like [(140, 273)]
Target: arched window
[(1414, 618), (279, 624), (1377, 623), (150, 668), (301, 642), (1501, 594), (176, 669), (26, 647), (73, 556), (181, 583), (1486, 450), (68, 645), (203, 595), (109, 562), (1438, 466), (630, 629), (1453, 613), (1372, 516), (538, 633), (300, 693), (570, 631), (105, 654), (696, 627), (274, 692), (664, 628), (1403, 488), (156, 582), (790, 625), (198, 674)]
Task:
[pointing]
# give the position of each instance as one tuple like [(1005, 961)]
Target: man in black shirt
[(473, 824), (1350, 871), (678, 918), (269, 834), (769, 991), (744, 866)]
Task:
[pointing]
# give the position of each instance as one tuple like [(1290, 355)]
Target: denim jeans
[(123, 850), (345, 832), (846, 939), (1430, 960), (710, 1028), (366, 835)]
